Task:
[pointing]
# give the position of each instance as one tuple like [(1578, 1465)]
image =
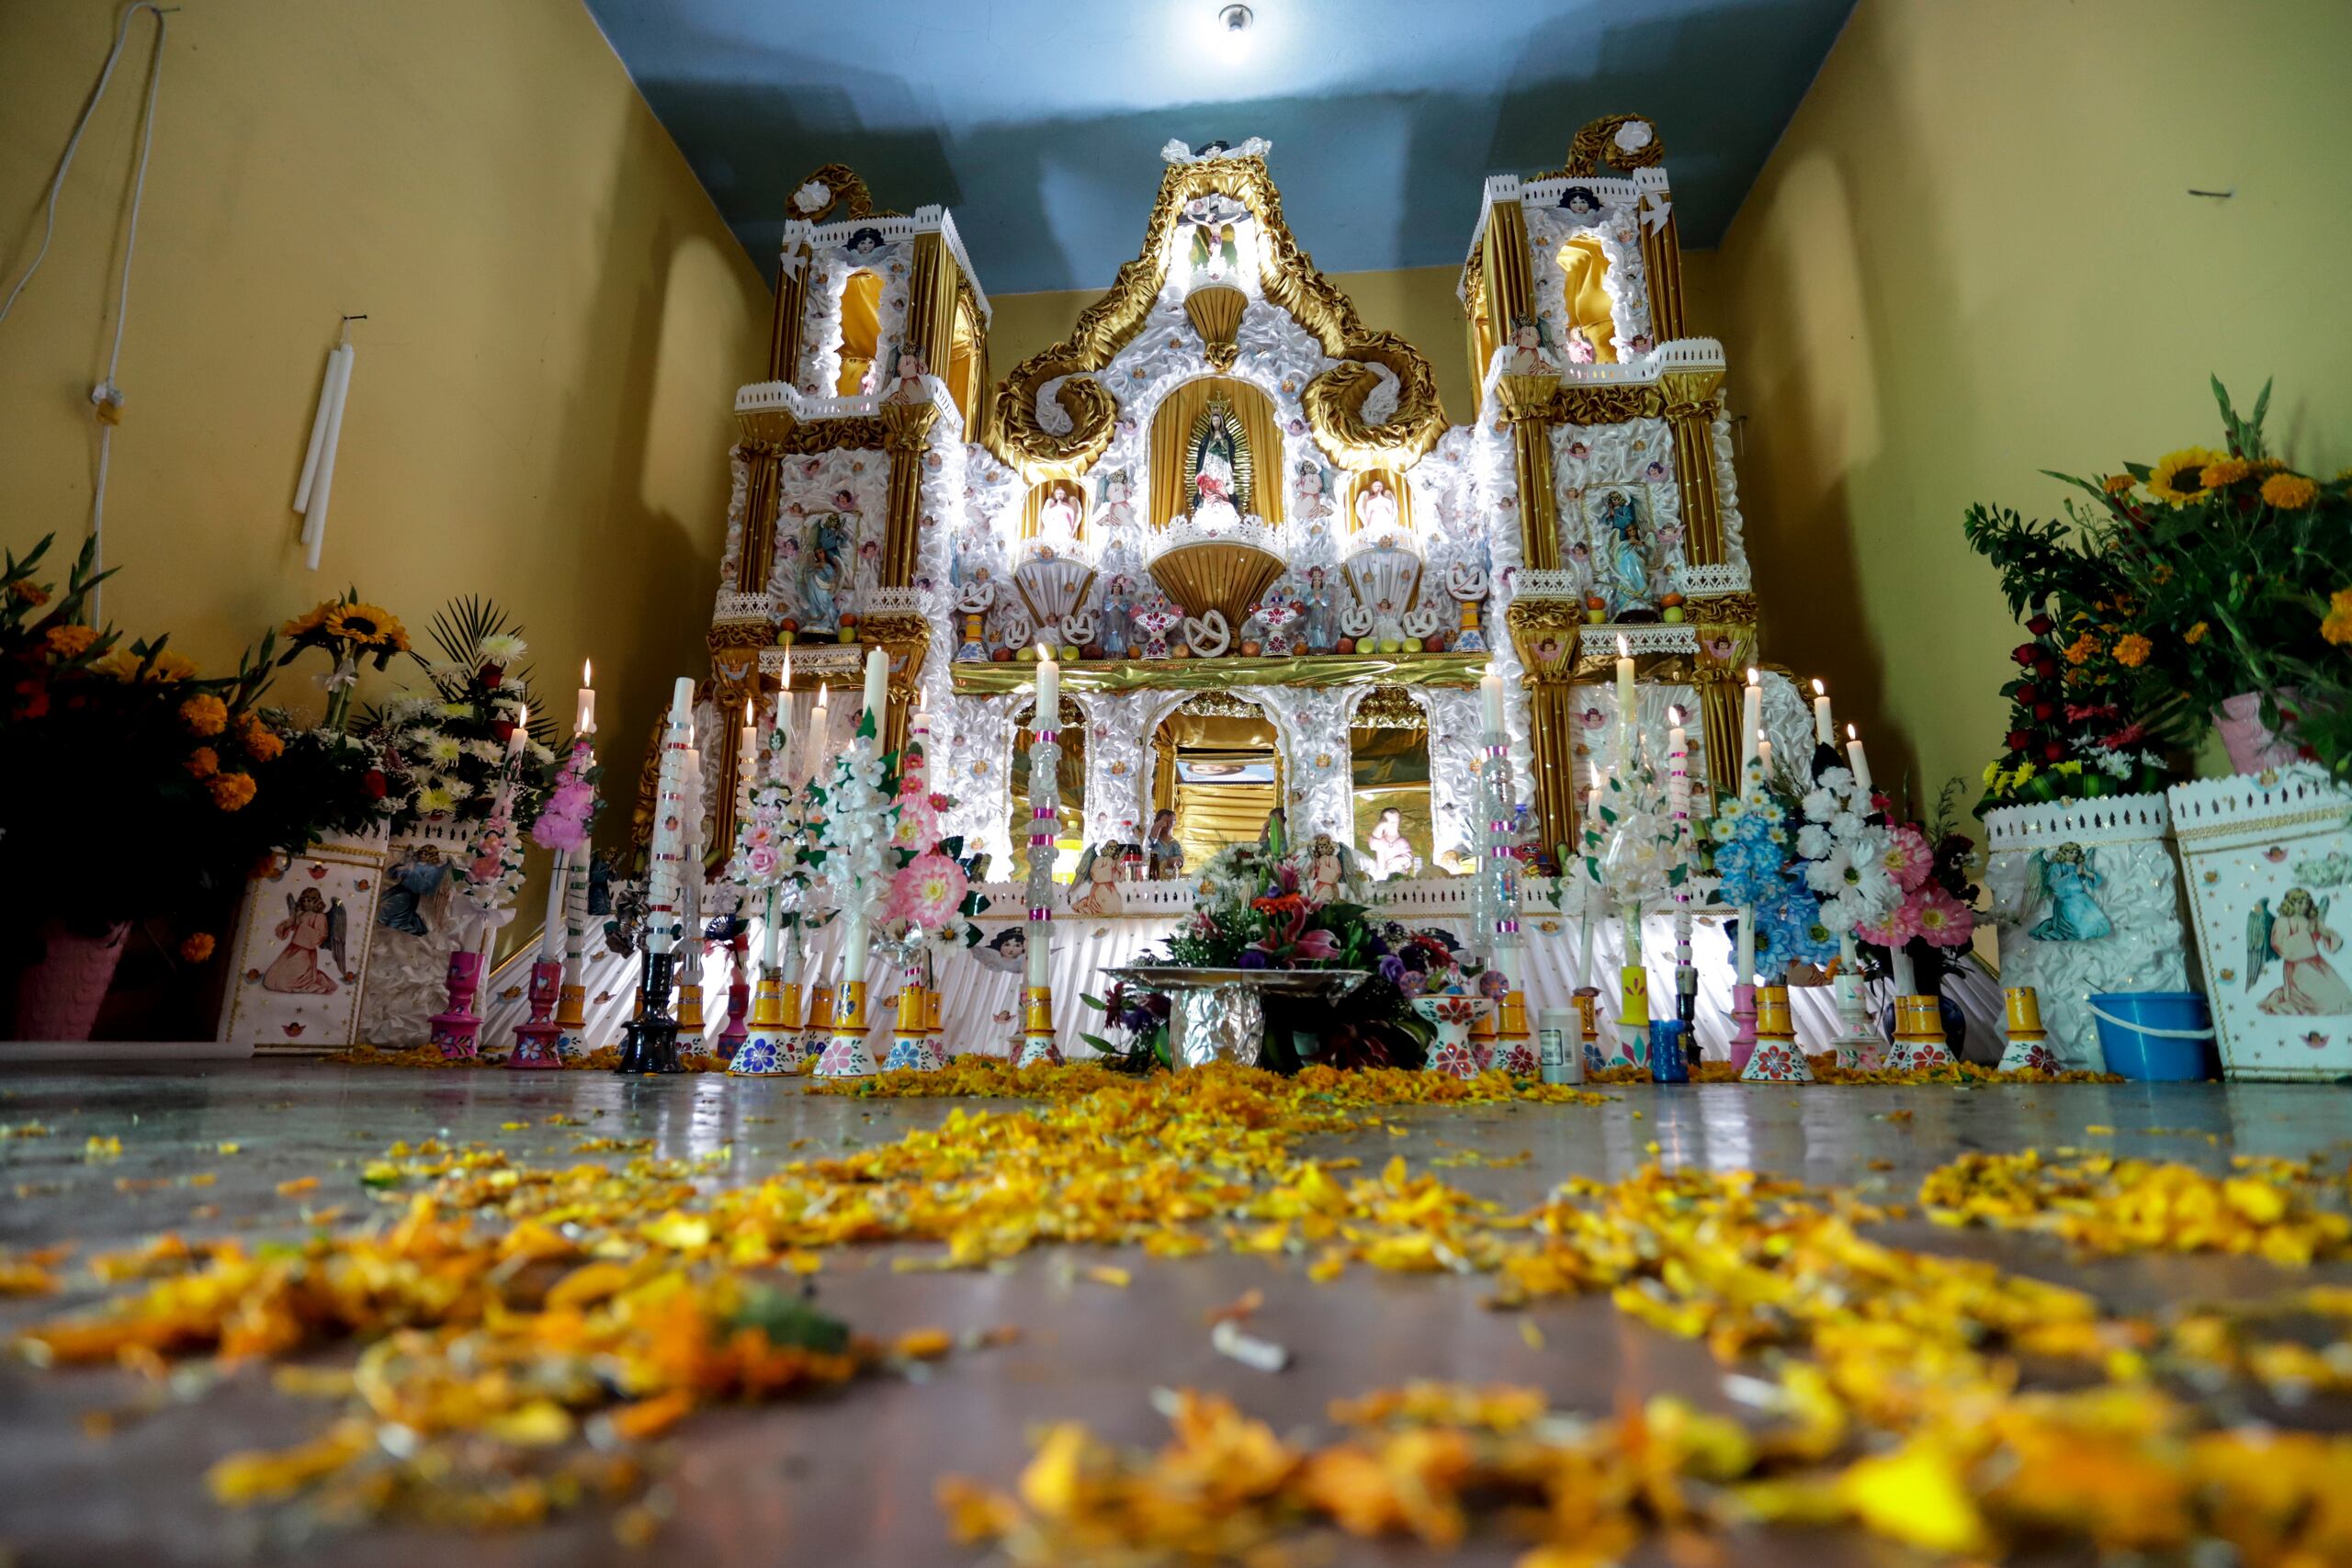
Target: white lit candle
[(878, 682), (747, 761), (1746, 975), (1858, 760), (1823, 732), (551, 931), (1763, 754), (521, 733), (1490, 697), (1625, 701), (1751, 716), (1049, 689), (584, 716)]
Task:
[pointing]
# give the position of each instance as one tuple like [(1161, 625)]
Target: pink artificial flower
[(1900, 926), (927, 891), (916, 828), (764, 860), (1942, 919), (1317, 945), (1908, 859)]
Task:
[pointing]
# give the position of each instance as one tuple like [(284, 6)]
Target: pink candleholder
[(456, 1029), (1743, 1019), (535, 1041), (739, 998)]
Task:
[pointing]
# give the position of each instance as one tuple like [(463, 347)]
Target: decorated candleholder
[(1859, 1045), (536, 1042), (1514, 1049), (1776, 1058), (1633, 1014), (845, 1055), (2028, 1048), (770, 1045), (737, 1028), (1920, 1037), (1452, 1052), (457, 1028), (1588, 1006), (912, 1045), (1039, 1046), (816, 1029), (650, 1041), (690, 1018), (1743, 1026), (572, 1019)]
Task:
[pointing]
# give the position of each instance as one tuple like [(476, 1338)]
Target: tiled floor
[(849, 1479)]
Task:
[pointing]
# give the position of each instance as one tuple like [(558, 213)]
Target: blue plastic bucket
[(2156, 1036)]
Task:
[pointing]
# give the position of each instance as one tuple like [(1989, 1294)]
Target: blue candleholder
[(1668, 1064)]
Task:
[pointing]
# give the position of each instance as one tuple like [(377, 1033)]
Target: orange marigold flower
[(204, 761), (205, 714), (2117, 484), (2195, 634), (2338, 627), (2290, 492), (2131, 649), (71, 641), (2082, 649), (196, 948), (232, 791), (2224, 471), (29, 592), (260, 741)]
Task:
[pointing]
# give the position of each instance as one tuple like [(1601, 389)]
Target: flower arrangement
[(347, 630), (143, 790), (1843, 843), (1921, 903), (1754, 852), (443, 750), (2219, 578), (569, 817)]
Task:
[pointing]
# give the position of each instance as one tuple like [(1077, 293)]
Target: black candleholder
[(650, 1041)]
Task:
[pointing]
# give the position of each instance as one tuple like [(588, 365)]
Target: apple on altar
[(1093, 650), (1001, 656), (1069, 650), (1412, 645), (1345, 645), (1248, 650)]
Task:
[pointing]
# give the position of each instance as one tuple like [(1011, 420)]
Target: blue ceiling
[(1040, 122)]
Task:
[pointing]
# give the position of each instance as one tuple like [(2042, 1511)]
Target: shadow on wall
[(1379, 176)]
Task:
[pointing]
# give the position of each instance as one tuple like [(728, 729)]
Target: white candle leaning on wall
[(1823, 732), (1751, 716), (1858, 760), (321, 486)]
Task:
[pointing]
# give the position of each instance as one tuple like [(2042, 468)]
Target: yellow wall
[(557, 323), (1972, 257)]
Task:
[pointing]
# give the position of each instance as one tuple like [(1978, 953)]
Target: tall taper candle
[(878, 693), (1490, 697), (1751, 716), (1049, 690), (1857, 758), (583, 716), (1625, 704), (1823, 732), (747, 763)]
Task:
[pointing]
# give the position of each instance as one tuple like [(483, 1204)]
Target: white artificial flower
[(2115, 764), (1721, 829), (485, 752), (1829, 875), (1838, 781), (1813, 841), (1633, 135), (504, 647), (441, 749), (1838, 916), (454, 787), (1847, 826), (432, 802), (811, 198), (1820, 805)]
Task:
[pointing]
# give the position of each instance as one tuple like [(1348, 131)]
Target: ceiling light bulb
[(1233, 30)]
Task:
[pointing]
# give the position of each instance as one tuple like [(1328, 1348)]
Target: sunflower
[(2179, 477), (2117, 484), (367, 626), (311, 620), (2289, 492)]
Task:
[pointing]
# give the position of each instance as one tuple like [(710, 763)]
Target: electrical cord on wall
[(106, 396)]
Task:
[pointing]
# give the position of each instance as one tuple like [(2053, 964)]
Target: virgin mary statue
[(1215, 462)]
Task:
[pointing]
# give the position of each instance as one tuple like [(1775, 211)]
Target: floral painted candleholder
[(845, 1055), (536, 1042), (1038, 1045), (1776, 1058), (2028, 1048), (1919, 1038), (1453, 1017), (457, 1028), (771, 1045), (817, 1029)]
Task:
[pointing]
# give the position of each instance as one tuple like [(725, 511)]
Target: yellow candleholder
[(1918, 1018), (932, 1003), (788, 1010), (2024, 1006), (1636, 1014), (767, 1003), (849, 1007), (571, 1021), (911, 1010), (690, 1009), (1037, 1043), (1772, 1019), (1588, 1017), (1511, 1020), (845, 1053)]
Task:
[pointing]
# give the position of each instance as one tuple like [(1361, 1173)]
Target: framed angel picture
[(302, 947)]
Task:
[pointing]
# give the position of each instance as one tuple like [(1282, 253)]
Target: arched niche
[(1069, 775), (861, 331), (1390, 484), (966, 365), (1250, 422), (1584, 271), (1388, 760), (1033, 511), (1217, 763)]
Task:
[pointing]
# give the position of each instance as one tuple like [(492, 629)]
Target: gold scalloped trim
[(1596, 144), (1333, 400)]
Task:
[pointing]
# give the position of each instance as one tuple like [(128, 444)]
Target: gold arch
[(1172, 424), (1396, 487), (1334, 401), (861, 330), (1584, 266)]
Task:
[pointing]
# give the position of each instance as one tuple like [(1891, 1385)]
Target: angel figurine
[(310, 923), (2298, 936), (414, 878), (2067, 882)]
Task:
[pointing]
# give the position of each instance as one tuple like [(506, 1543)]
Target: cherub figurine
[(413, 879)]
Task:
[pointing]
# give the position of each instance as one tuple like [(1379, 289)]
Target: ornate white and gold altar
[(1224, 498)]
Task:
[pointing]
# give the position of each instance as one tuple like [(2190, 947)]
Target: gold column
[(1526, 401), (1552, 721), (931, 303), (784, 336), (1726, 626), (1691, 405), (758, 519), (1662, 259), (1510, 273), (734, 679), (906, 436)]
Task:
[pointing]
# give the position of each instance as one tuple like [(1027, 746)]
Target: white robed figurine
[(1375, 508), (1057, 520)]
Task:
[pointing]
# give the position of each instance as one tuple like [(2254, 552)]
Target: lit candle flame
[(1849, 733), (787, 669), (1753, 675), (1674, 717), (1818, 688), (1624, 648), (587, 671)]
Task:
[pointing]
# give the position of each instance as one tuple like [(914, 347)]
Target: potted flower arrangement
[(145, 793), (1920, 913)]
